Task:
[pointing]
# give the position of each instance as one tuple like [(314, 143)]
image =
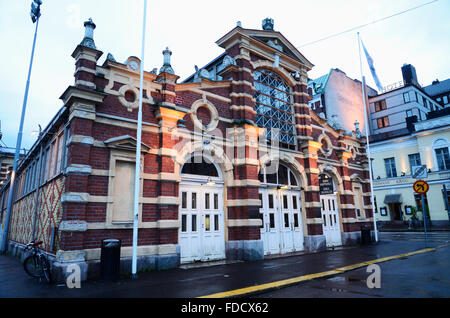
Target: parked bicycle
[(37, 264)]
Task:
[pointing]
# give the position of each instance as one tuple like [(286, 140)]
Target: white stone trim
[(243, 202), (244, 222), (78, 169)]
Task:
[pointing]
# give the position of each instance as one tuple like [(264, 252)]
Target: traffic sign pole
[(424, 212)]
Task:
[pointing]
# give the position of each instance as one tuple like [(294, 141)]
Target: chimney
[(409, 75)]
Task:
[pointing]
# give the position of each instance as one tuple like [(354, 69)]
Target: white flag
[(372, 68)]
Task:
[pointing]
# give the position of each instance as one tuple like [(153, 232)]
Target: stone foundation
[(315, 243), (351, 238), (250, 250), (91, 269)]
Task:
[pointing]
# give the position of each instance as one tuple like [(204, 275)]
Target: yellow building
[(426, 143)]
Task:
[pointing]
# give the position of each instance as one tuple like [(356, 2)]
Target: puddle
[(337, 279)]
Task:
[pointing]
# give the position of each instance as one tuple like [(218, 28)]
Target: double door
[(282, 230), (201, 233), (330, 220)]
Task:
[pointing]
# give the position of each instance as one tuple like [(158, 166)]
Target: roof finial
[(167, 68), (88, 39), (267, 24)]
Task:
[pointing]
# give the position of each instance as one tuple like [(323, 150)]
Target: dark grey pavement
[(424, 275)]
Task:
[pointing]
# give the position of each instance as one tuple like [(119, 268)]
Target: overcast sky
[(190, 29)]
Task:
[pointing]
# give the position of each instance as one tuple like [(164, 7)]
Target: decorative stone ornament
[(88, 40), (110, 57), (267, 24), (167, 68), (214, 115), (129, 104)]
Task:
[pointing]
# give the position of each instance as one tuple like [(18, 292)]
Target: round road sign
[(421, 187)]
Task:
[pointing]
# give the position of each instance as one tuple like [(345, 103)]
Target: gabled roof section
[(282, 45), (318, 85), (125, 142)]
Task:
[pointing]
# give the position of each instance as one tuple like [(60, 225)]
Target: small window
[(445, 99), (285, 202), (383, 122), (443, 158), (389, 164), (380, 105), (295, 220), (324, 220), (183, 222), (286, 220), (409, 113), (261, 205), (207, 222), (294, 202), (406, 97), (216, 222), (194, 222), (184, 200), (272, 220), (194, 201), (270, 201), (414, 160), (216, 201), (207, 201)]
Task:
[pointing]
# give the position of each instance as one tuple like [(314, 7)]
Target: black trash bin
[(110, 259), (366, 239)]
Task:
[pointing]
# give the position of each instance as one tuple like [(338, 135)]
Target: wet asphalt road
[(424, 275)]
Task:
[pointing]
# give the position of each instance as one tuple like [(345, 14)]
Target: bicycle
[(37, 265)]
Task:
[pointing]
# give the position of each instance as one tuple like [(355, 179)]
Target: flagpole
[(138, 152), (366, 126)]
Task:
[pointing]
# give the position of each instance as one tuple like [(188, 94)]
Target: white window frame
[(437, 144)]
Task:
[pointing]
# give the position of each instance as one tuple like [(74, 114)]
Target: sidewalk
[(195, 282)]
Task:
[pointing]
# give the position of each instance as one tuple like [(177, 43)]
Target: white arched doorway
[(201, 213), (330, 211), (280, 211)]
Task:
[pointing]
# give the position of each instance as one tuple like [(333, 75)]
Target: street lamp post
[(35, 14)]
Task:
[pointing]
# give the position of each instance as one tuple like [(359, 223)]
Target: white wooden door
[(270, 230), (282, 230), (201, 234), (330, 220), (297, 226)]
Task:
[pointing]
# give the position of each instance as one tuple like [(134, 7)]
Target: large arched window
[(200, 166), (282, 176), (274, 109)]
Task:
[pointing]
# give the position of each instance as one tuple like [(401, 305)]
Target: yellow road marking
[(294, 280)]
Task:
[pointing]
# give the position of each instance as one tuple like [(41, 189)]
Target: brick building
[(235, 165)]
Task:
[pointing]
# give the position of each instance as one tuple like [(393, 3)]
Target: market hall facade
[(234, 164)]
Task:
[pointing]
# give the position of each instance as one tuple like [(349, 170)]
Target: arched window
[(441, 148), (200, 166), (274, 109), (283, 176)]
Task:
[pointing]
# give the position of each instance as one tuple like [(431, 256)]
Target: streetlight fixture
[(35, 14)]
